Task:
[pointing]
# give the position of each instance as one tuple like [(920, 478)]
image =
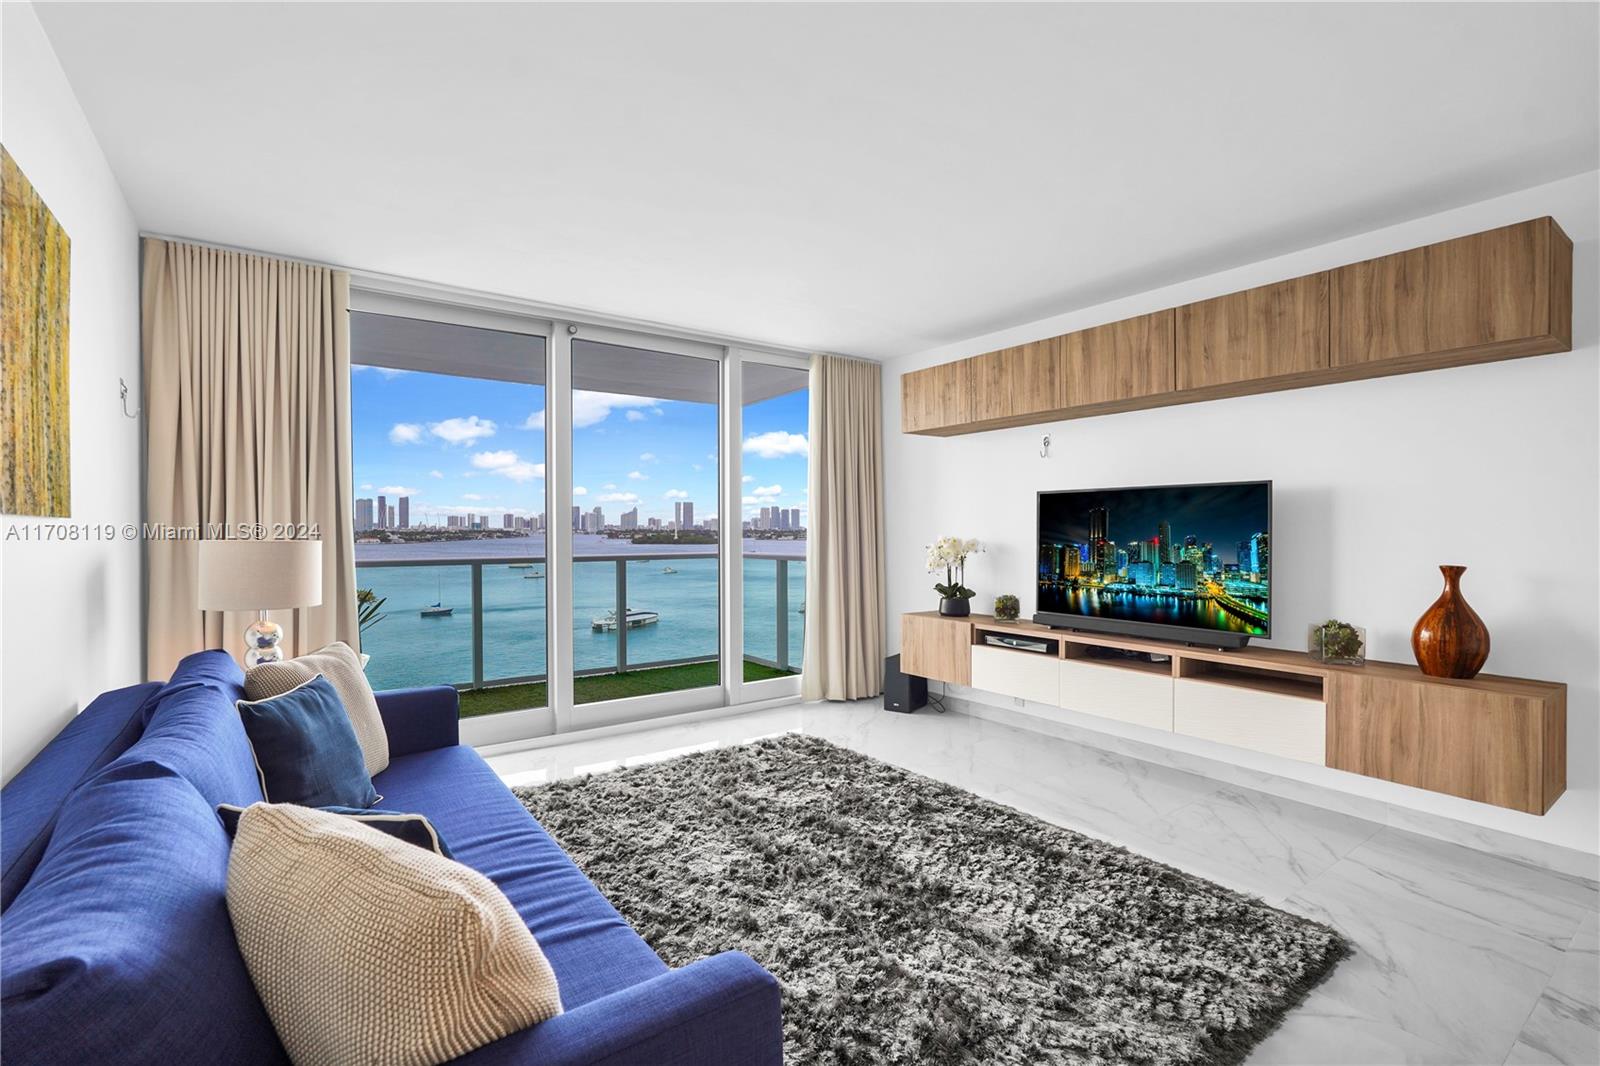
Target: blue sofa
[(115, 943)]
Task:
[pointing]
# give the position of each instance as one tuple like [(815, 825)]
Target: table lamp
[(260, 575)]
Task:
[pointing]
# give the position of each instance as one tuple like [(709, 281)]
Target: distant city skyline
[(466, 447)]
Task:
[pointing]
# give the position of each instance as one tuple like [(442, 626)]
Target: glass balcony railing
[(481, 624)]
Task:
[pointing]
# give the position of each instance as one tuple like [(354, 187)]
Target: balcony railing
[(409, 649)]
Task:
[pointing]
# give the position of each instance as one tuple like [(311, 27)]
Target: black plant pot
[(955, 608)]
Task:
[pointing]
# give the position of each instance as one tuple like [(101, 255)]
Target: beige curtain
[(845, 601), (247, 417)]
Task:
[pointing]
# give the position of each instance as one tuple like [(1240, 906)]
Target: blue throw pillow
[(411, 828), (306, 750)]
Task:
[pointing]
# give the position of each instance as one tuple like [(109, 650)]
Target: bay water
[(408, 649)]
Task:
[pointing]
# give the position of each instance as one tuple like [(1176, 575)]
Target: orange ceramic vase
[(1450, 640)]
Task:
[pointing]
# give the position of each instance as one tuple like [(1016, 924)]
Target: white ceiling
[(856, 178)]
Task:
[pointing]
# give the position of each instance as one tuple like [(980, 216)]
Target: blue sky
[(460, 445)]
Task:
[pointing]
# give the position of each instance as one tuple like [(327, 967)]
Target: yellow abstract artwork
[(35, 442)]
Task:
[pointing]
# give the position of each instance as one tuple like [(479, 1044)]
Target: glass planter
[(1337, 643)]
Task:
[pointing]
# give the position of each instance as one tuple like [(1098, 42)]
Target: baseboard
[(1542, 854)]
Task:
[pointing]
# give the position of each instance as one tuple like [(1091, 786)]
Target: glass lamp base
[(261, 643)]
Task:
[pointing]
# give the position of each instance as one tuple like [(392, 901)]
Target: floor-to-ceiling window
[(598, 553)]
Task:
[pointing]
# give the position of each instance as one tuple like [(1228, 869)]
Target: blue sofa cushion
[(119, 948), (193, 729), (29, 802), (411, 828), (593, 951), (305, 748)]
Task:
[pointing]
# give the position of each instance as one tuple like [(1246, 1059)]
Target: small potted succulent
[(1007, 607), (1337, 642), (950, 555)]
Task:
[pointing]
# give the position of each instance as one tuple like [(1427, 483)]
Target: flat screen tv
[(1187, 563)]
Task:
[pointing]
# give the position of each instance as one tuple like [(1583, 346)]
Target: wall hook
[(1044, 447), (125, 411)]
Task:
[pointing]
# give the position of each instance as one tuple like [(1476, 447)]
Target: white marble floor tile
[(1422, 966), (1543, 905), (1565, 1024), (1265, 845)]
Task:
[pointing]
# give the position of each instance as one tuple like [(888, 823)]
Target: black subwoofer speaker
[(901, 691)]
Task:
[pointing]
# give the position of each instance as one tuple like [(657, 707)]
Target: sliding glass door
[(448, 453), (645, 573), (575, 525)]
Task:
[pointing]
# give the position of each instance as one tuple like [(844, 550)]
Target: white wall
[(1376, 483), (70, 620)]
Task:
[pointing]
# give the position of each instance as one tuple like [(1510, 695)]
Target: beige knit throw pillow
[(366, 949), (339, 663)]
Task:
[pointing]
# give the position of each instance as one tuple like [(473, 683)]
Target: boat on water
[(519, 566), (535, 576), (607, 623), (668, 570), (438, 609)]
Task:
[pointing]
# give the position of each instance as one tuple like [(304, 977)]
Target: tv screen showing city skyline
[(1197, 556)]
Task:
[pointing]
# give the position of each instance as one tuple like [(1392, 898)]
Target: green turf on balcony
[(597, 687)]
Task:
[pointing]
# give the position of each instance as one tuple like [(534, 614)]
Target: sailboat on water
[(438, 609)]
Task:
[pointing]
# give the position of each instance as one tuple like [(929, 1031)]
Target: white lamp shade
[(260, 575)]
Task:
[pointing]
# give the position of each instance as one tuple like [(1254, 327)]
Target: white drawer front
[(1026, 675), (1115, 692), (1290, 726)]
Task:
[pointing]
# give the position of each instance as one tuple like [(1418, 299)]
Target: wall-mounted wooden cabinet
[(1500, 294), (937, 399), (1119, 363), (1498, 740), (1248, 340), (1113, 367), (1493, 295)]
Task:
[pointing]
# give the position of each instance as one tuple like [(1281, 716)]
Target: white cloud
[(635, 416), (405, 433), (506, 464), (367, 485), (748, 478), (592, 408), (777, 444), (493, 460), (675, 494), (386, 371), (534, 421), (435, 473), (618, 497), (648, 457), (579, 490), (634, 475), (712, 456), (470, 496), (696, 467), (750, 499), (769, 491), (608, 486), (399, 490), (467, 430)]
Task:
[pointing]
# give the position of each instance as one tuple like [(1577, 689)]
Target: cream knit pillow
[(366, 949), (340, 664)]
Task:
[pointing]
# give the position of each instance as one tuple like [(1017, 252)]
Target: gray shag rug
[(909, 921)]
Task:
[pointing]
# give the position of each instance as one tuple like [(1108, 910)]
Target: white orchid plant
[(950, 555)]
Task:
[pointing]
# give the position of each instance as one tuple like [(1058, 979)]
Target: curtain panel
[(247, 422), (845, 600)]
